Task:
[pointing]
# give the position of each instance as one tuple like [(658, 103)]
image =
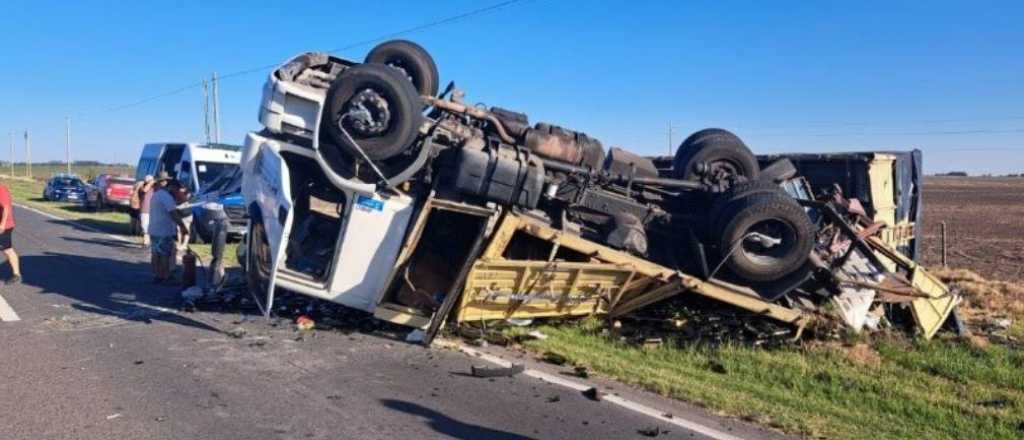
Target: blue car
[(67, 188), (225, 192)]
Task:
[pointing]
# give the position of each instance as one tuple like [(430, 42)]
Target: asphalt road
[(100, 353)]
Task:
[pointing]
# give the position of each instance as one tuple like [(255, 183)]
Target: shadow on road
[(109, 242), (93, 225), (447, 425), (106, 287)]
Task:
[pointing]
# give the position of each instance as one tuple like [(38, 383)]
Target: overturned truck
[(369, 188)]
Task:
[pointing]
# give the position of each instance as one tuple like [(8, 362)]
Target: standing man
[(134, 205), (165, 224), (145, 196), (6, 231)]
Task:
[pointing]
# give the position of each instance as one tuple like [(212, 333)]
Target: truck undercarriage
[(369, 188)]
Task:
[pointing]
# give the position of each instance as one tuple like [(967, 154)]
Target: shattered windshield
[(208, 172)]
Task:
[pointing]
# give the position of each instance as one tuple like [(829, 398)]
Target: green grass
[(30, 193), (936, 389)]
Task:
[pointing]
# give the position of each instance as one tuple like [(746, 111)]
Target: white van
[(195, 165)]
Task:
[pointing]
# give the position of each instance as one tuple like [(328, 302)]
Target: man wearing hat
[(165, 223)]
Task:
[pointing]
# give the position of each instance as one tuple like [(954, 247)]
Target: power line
[(417, 28), (896, 133)]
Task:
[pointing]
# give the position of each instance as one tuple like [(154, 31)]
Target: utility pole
[(10, 134), (216, 109), (206, 109), (28, 155), (670, 146), (67, 142)]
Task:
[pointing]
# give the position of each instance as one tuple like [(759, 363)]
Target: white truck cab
[(195, 165), (313, 235)]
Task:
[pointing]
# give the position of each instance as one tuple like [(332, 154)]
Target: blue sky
[(946, 77)]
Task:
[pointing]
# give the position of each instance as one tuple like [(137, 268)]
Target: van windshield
[(207, 172)]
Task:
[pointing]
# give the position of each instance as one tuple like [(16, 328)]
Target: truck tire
[(776, 216), (379, 108), (738, 191), (723, 152), (257, 265), (411, 59)]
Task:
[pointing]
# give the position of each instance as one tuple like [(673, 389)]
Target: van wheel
[(765, 236), (714, 155), (411, 59), (377, 106)]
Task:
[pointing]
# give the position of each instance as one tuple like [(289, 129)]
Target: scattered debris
[(651, 343), (536, 334), (192, 295), (593, 394), (415, 336), (113, 416), (581, 372), (139, 362), (652, 431), (554, 398), (497, 371), (519, 322), (237, 332), (554, 358), (304, 323)]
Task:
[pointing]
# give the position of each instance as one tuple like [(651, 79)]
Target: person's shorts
[(5, 239), (162, 245), (133, 213)]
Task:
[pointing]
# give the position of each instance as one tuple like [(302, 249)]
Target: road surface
[(93, 350)]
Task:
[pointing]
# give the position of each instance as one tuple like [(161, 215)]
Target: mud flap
[(273, 198)]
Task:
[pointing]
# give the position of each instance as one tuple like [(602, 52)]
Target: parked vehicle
[(195, 165), (369, 189), (224, 193), (66, 188), (113, 191)]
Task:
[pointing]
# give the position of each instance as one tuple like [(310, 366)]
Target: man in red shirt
[(6, 230)]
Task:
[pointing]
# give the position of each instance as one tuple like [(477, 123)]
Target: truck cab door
[(272, 198)]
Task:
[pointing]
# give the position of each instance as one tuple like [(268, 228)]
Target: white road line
[(613, 399), (77, 224), (7, 314)]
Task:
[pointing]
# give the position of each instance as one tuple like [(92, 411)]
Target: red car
[(114, 191)]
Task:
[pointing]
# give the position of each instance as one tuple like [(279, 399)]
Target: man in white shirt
[(164, 225)]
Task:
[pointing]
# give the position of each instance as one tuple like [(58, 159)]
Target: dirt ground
[(985, 224)]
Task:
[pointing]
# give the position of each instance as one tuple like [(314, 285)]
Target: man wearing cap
[(165, 223)]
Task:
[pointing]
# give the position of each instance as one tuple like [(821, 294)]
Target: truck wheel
[(765, 236), (257, 267), (713, 155), (411, 59), (738, 191), (377, 107)]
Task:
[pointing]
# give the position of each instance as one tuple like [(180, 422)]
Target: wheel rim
[(368, 114), (719, 171), (768, 242), (399, 65)]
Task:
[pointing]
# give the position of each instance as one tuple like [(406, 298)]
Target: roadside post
[(943, 224)]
